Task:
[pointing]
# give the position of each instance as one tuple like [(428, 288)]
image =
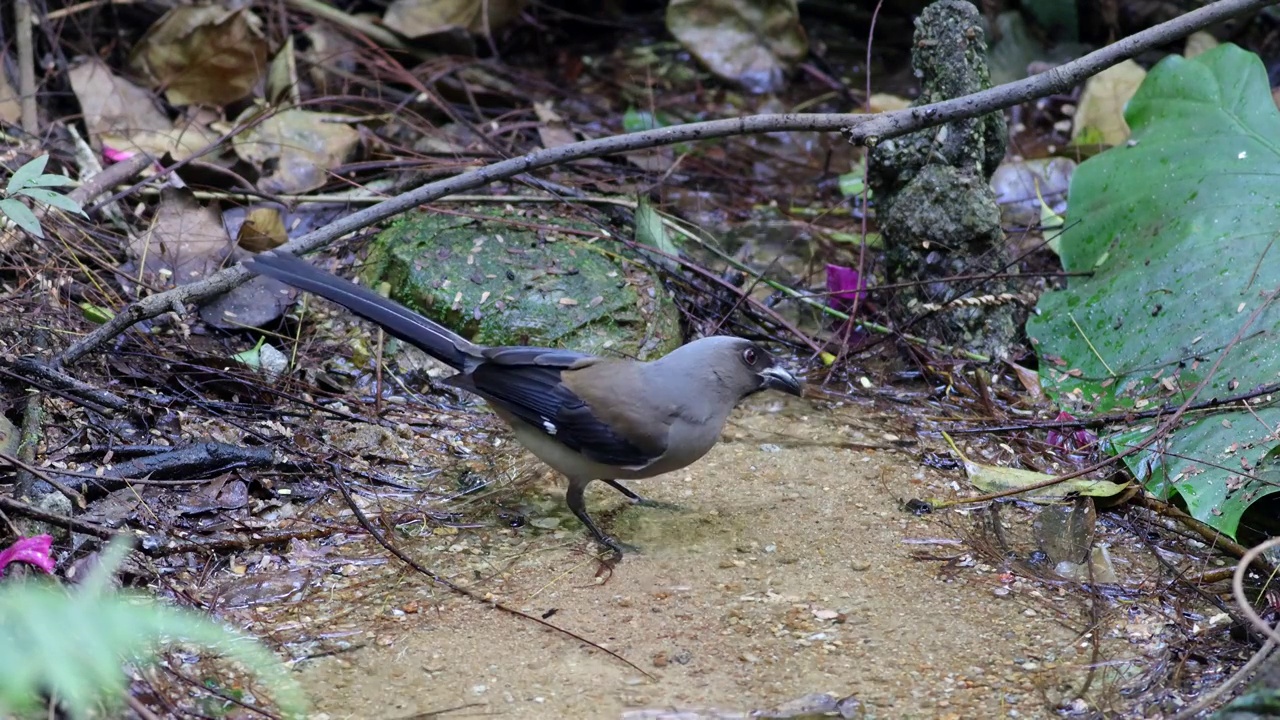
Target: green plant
[(70, 645), (30, 181)]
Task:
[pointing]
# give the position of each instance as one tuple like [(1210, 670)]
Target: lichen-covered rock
[(935, 206), (499, 282)]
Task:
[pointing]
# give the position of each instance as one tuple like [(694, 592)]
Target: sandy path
[(787, 573)]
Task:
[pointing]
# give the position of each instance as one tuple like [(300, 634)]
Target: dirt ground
[(788, 571)]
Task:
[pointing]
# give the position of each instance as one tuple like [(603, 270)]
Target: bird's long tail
[(433, 338)]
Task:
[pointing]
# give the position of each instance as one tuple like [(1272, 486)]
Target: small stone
[(860, 566), (826, 614), (479, 689), (660, 659)]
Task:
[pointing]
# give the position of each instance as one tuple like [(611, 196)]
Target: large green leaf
[(1180, 228)]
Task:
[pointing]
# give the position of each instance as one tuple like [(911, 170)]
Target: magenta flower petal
[(845, 285), (31, 550)]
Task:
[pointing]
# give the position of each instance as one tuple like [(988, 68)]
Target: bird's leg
[(573, 497), (639, 499)]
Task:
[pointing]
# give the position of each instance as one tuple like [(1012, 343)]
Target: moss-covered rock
[(498, 282)]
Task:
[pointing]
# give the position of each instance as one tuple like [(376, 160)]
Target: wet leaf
[(751, 42), (1179, 266), (651, 232), (32, 551)]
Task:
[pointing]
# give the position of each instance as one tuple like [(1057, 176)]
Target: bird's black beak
[(779, 379)]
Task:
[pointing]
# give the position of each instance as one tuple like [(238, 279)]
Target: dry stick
[(864, 129), (24, 22), (1160, 432), (445, 582), (1126, 416), (1206, 532)]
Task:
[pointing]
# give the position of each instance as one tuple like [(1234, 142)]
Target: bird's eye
[(749, 356)]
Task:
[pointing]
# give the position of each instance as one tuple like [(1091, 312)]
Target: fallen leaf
[(301, 145), (202, 54)]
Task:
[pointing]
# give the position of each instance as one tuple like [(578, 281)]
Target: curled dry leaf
[(303, 145), (203, 55), (417, 18), (263, 229)]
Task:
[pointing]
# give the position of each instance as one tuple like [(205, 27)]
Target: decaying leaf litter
[(224, 531)]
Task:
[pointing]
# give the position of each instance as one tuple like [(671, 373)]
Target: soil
[(790, 569)]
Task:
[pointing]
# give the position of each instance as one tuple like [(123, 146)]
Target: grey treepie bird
[(590, 418)]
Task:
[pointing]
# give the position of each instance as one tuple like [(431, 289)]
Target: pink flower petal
[(845, 285), (31, 550)]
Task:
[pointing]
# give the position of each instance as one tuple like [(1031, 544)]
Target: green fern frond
[(71, 645)]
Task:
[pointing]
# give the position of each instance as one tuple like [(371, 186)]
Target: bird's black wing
[(532, 391)]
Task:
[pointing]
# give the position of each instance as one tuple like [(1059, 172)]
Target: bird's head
[(742, 366)]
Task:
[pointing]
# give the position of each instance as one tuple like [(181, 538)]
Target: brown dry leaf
[(886, 102), (1199, 43), (263, 229), (554, 132), (417, 18), (329, 53), (186, 242), (551, 127), (1030, 380), (750, 42), (1102, 103), (303, 145), (203, 55), (10, 111), (123, 116)]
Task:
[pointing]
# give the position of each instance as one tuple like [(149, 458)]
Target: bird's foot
[(616, 547), (657, 504)]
